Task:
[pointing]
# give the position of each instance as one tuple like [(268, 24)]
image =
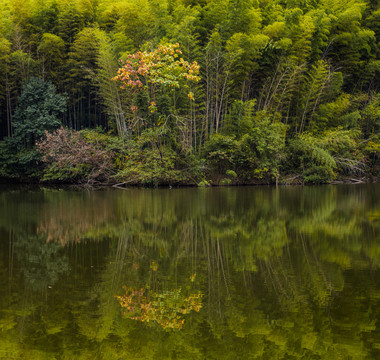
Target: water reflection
[(165, 308), (231, 273)]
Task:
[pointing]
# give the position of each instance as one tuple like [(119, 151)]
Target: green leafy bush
[(221, 151), (231, 174), (225, 181), (254, 151), (320, 158), (154, 158)]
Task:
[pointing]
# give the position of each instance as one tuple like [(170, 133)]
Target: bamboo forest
[(189, 92)]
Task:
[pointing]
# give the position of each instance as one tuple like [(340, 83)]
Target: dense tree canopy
[(308, 71)]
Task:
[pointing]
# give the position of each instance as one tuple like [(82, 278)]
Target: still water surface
[(227, 273)]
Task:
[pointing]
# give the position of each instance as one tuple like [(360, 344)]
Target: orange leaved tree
[(159, 70)]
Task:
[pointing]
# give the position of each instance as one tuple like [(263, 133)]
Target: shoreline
[(292, 181)]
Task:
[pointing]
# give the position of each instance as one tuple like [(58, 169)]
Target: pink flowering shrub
[(69, 156)]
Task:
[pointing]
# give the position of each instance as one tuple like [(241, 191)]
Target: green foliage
[(304, 66), (153, 159), (338, 113), (51, 49), (220, 150), (231, 174), (113, 99), (204, 183), (261, 149), (82, 62), (321, 157), (16, 162), (39, 109), (225, 181), (370, 116), (256, 150)]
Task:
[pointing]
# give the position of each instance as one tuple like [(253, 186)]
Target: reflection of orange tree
[(166, 308)]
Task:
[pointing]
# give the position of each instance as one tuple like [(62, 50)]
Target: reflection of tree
[(286, 274), (60, 216), (41, 262), (165, 308)]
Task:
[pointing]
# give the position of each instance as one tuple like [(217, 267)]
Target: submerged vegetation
[(189, 92)]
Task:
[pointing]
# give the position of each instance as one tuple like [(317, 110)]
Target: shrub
[(155, 159), (320, 158), (69, 156), (231, 174), (225, 181)]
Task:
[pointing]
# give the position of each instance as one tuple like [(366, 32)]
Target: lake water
[(220, 273)]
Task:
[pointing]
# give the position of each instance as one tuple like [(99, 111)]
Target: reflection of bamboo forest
[(228, 273)]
